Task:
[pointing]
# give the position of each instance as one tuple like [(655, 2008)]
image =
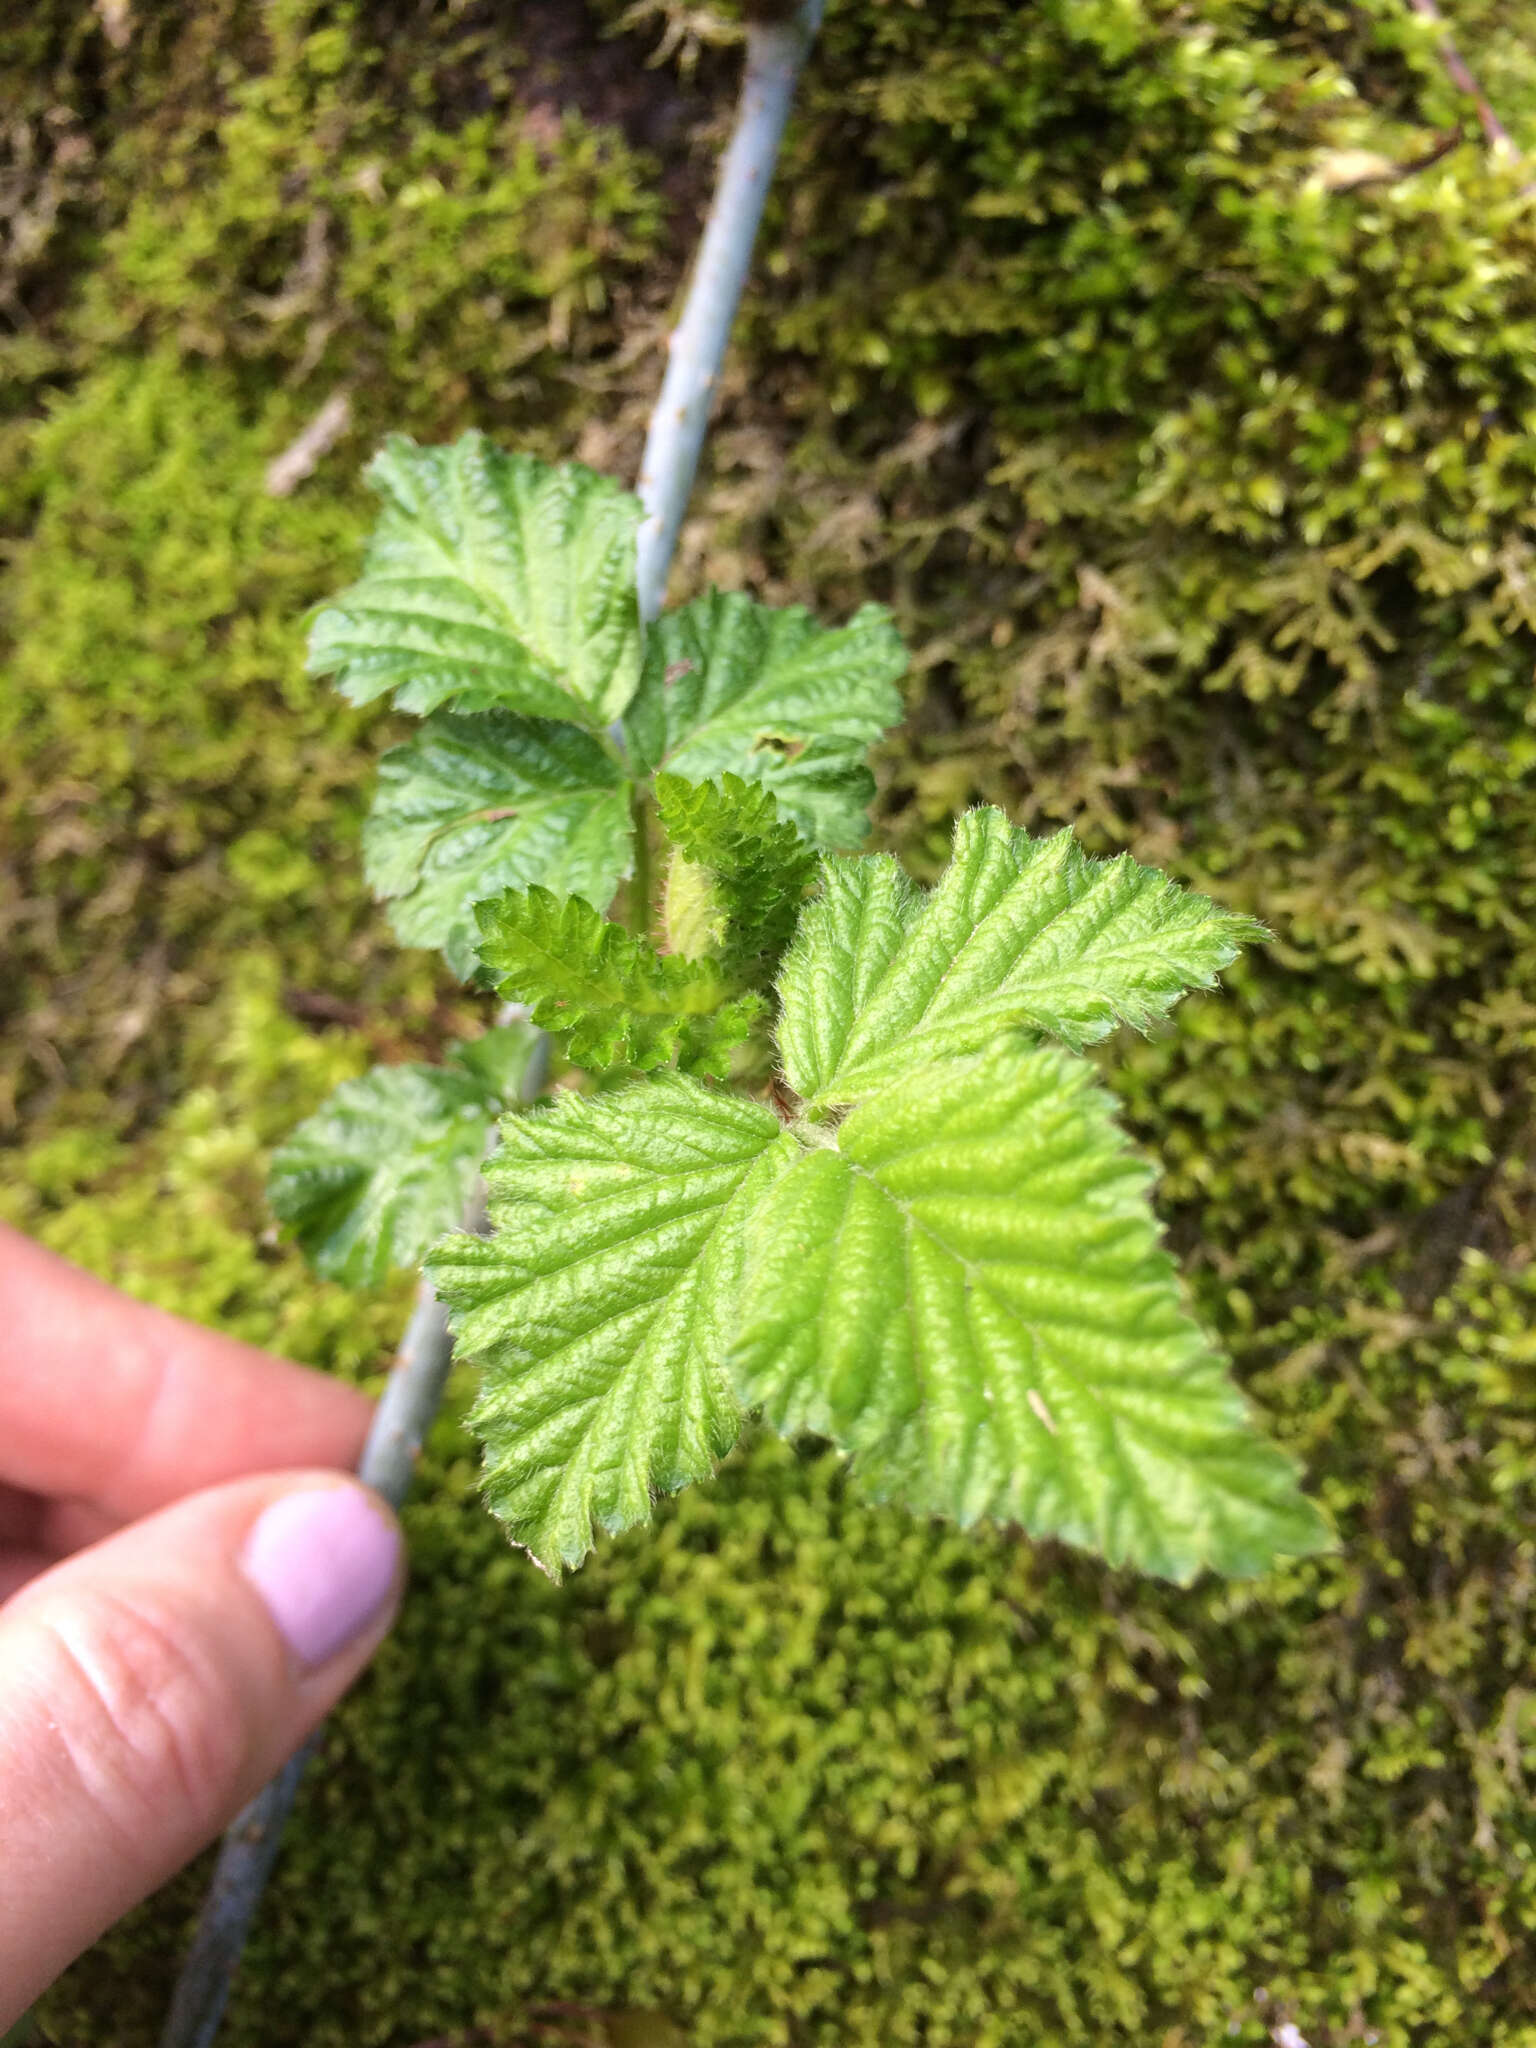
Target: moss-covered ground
[(1187, 416)]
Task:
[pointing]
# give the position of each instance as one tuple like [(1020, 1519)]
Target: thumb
[(152, 1684)]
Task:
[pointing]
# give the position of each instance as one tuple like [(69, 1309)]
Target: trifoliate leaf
[(492, 582), (1018, 931), (382, 1168), (476, 804), (601, 1306), (730, 686), (738, 873), (617, 1000), (964, 1288)]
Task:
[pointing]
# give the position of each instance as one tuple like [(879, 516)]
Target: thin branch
[(696, 350), (400, 1422), (774, 56), (299, 459), (1494, 130), (239, 1878), (251, 1843)]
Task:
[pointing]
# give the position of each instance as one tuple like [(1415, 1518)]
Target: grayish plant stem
[(411, 1398), (251, 1844), (774, 57), (696, 349)]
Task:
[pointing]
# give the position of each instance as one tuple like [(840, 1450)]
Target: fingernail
[(324, 1561)]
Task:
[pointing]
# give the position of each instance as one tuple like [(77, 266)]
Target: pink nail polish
[(323, 1560)]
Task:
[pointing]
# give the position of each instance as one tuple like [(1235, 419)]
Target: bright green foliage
[(601, 1308), (747, 873), (967, 1292), (473, 805), (381, 1170), (731, 687), (492, 582), (1019, 931), (613, 997), (962, 1285), (504, 588)]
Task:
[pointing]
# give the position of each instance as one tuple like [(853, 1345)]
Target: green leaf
[(730, 841), (600, 1308), (472, 805), (1018, 931), (503, 1062), (964, 1288), (730, 686), (617, 1000), (382, 1169), (492, 582)]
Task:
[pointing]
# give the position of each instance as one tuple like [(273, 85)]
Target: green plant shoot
[(837, 1160)]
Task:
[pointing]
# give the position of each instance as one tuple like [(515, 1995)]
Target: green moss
[(792, 1768), (278, 213), (170, 1215), (1203, 491), (155, 719)]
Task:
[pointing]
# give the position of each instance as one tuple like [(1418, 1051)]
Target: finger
[(108, 1401), (154, 1682), (36, 1533), (19, 1567), (20, 1515), (57, 1526)]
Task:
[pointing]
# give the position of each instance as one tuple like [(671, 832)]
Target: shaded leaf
[(475, 804), (730, 686), (505, 1061), (382, 1168)]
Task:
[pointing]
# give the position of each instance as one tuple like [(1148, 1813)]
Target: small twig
[(775, 53), (287, 471), (1456, 69), (1353, 170), (400, 1422), (251, 1843), (696, 350)]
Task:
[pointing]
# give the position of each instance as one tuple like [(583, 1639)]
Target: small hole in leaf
[(778, 743)]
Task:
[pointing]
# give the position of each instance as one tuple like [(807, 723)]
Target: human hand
[(171, 1626)]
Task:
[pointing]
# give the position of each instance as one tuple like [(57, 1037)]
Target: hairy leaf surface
[(965, 1289), (475, 804), (493, 581), (601, 1307), (732, 846), (619, 1001), (1018, 931), (730, 686)]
